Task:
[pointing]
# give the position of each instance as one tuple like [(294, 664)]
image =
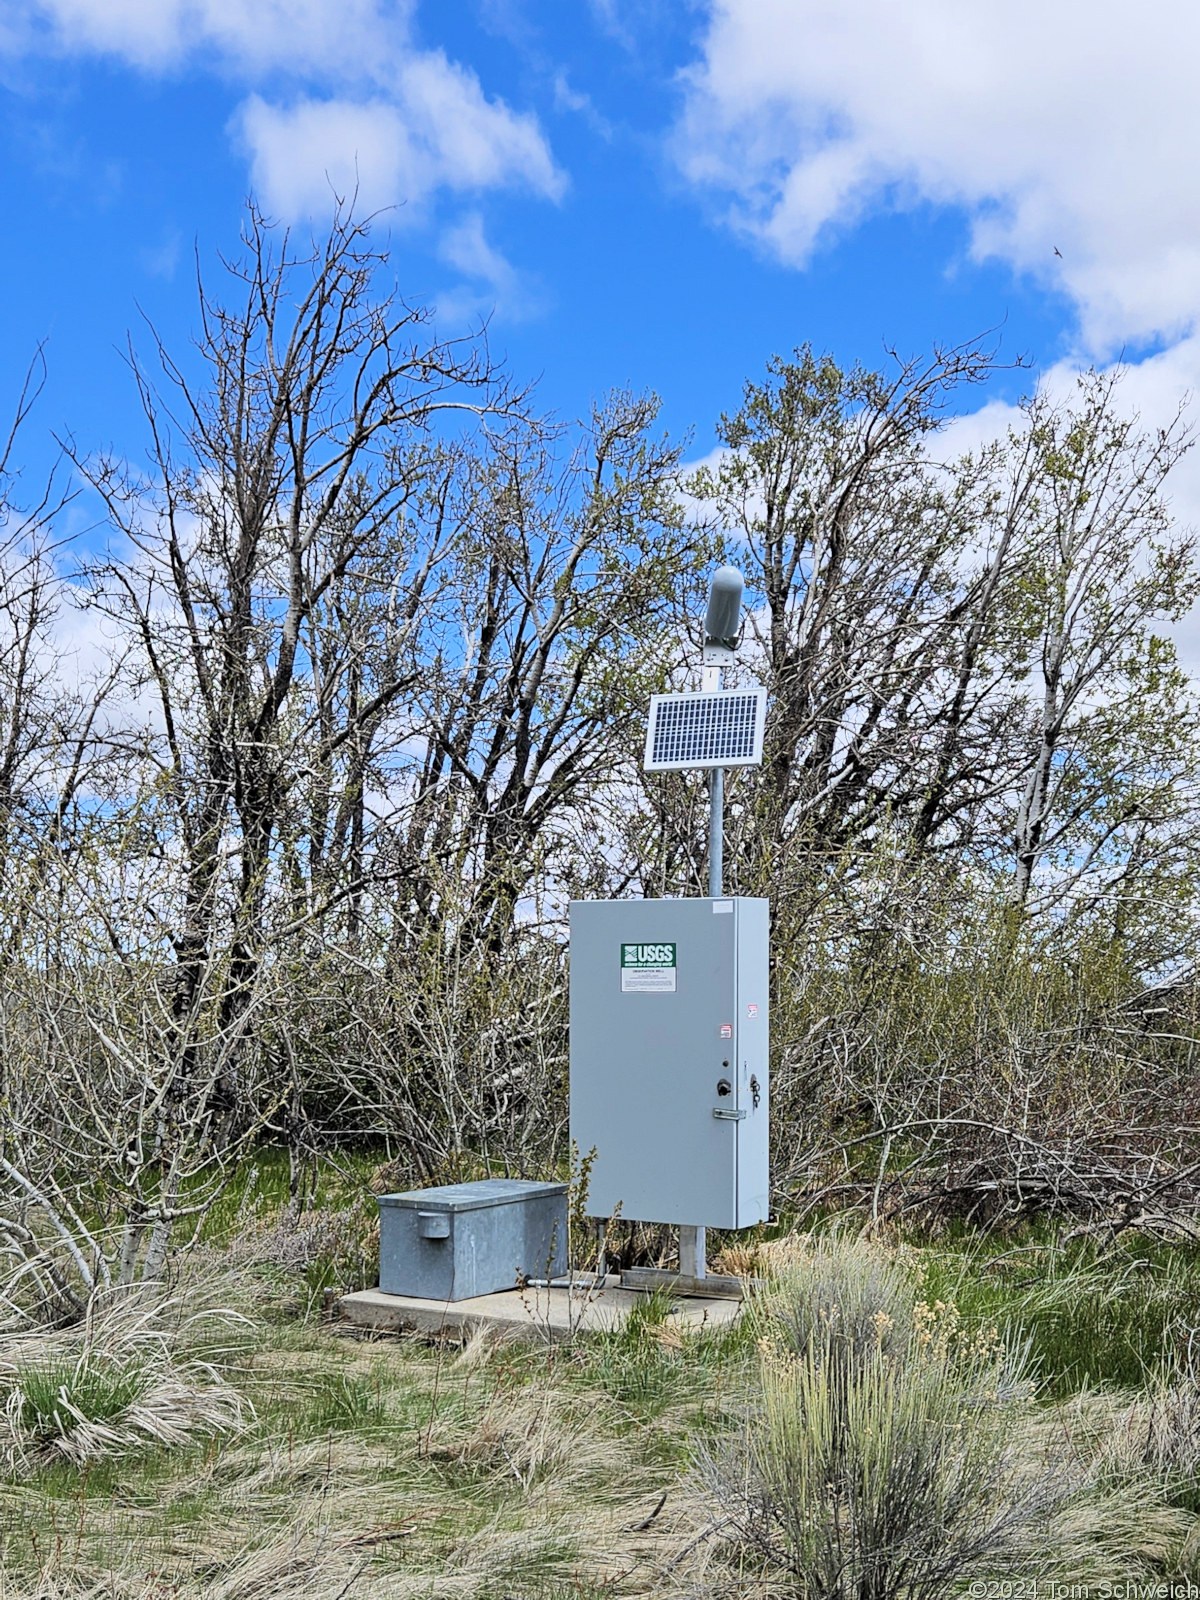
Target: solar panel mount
[(721, 729)]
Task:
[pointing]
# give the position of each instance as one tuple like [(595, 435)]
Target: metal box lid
[(471, 1196)]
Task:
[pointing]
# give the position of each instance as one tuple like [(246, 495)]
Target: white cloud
[(251, 35), (568, 99), (1071, 126), (367, 108), (465, 246), (478, 142), (161, 260), (440, 132), (303, 156)]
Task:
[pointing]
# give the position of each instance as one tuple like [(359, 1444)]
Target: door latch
[(727, 1115)]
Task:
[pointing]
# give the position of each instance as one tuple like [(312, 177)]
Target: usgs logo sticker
[(648, 969)]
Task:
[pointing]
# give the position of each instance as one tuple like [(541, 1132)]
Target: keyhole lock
[(724, 1087), (755, 1091)]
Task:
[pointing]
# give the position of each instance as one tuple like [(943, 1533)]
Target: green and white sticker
[(647, 969)]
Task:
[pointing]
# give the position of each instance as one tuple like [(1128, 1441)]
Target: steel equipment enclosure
[(464, 1239), (669, 1054)]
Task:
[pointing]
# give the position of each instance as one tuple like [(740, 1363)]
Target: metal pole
[(693, 1252), (693, 1242), (716, 831)]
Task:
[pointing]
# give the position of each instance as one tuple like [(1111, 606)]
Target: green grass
[(1092, 1319), (651, 1365), (101, 1391), (343, 1401), (260, 1189), (510, 1476)]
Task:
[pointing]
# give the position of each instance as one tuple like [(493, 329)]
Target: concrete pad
[(533, 1313)]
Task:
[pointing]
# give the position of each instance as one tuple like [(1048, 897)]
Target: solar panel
[(705, 730)]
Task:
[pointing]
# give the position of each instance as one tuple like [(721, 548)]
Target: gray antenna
[(723, 619)]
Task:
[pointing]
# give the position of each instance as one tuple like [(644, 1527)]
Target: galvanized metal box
[(669, 1054), (465, 1239)]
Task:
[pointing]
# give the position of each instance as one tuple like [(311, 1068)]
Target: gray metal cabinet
[(669, 1054)]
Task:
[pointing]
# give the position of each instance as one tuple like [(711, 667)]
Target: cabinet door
[(654, 1055)]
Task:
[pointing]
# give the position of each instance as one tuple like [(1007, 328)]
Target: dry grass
[(397, 1470), (137, 1372), (389, 1469)]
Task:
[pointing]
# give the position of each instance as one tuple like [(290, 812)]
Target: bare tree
[(278, 483), (46, 724)]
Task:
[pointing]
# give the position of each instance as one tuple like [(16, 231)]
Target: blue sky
[(646, 192)]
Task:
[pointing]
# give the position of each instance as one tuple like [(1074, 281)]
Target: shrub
[(888, 1453)]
